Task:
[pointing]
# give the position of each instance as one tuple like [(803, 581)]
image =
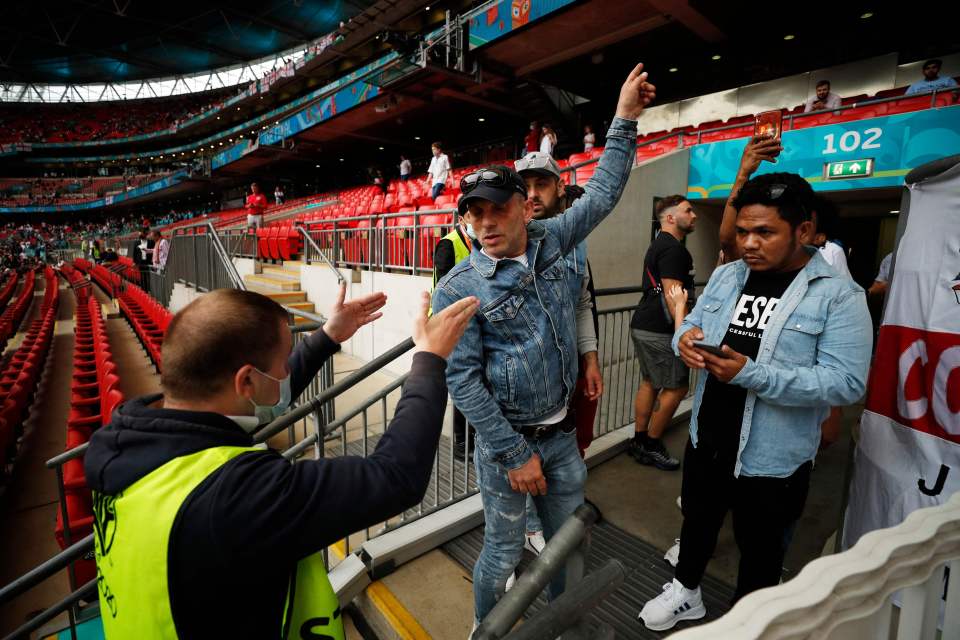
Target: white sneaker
[(535, 542), (510, 581), (676, 603), (672, 556), (679, 504)]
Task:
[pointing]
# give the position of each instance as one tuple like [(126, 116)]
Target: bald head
[(214, 336)]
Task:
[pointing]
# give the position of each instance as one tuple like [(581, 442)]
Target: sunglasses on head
[(489, 177), (776, 191)]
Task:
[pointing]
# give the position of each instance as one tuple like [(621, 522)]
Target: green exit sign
[(848, 169)]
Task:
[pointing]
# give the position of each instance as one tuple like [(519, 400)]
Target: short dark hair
[(668, 202), (213, 336), (438, 145), (823, 82), (936, 61), (794, 202)]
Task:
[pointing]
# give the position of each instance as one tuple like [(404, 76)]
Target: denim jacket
[(516, 364), (814, 355)]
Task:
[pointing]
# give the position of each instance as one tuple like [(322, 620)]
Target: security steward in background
[(199, 534), (451, 249)]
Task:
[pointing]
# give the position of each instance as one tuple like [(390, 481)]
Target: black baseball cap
[(496, 183)]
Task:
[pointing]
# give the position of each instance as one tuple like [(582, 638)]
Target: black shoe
[(655, 454)]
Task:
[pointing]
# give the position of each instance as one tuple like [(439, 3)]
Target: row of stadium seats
[(94, 393), (109, 281), (148, 318), (20, 373), (8, 287), (130, 271), (13, 314), (279, 242)]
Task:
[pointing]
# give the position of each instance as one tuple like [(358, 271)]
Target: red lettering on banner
[(916, 380)]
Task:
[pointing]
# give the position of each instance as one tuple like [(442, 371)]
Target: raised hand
[(757, 150), (635, 94), (347, 317), (440, 333)]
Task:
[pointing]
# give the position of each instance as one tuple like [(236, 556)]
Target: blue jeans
[(505, 512), (437, 189)]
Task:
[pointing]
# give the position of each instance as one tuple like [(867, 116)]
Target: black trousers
[(764, 513)]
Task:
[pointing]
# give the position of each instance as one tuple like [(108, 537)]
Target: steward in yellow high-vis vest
[(199, 534)]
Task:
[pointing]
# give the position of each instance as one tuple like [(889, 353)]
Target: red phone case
[(768, 123)]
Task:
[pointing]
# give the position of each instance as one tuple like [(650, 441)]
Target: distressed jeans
[(505, 512)]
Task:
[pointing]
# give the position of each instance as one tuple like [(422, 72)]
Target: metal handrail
[(66, 604), (564, 549), (46, 569), (323, 256)]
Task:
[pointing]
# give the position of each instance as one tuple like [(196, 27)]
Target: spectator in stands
[(823, 99), (931, 79), (405, 168), (278, 194), (666, 264), (439, 169), (525, 441), (452, 249), (240, 527), (256, 203), (548, 141), (160, 251), (755, 422), (589, 138), (532, 140)]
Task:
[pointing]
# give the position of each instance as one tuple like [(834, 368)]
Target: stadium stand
[(20, 371)]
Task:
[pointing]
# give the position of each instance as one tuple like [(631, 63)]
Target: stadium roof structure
[(89, 50)]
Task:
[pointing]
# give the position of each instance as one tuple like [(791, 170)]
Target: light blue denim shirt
[(814, 354), (516, 364)]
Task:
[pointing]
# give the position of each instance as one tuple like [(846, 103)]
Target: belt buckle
[(541, 431)]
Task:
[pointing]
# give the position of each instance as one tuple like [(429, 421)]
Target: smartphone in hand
[(712, 349), (769, 123)]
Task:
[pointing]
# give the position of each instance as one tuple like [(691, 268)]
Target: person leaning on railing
[(200, 534)]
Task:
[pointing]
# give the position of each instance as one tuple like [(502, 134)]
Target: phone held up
[(768, 123), (712, 349)]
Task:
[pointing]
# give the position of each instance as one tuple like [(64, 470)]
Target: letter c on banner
[(949, 362), (911, 409)]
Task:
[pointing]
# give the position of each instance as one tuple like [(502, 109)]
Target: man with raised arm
[(515, 370)]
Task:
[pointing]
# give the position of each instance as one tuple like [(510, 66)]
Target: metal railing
[(567, 550), (198, 258)]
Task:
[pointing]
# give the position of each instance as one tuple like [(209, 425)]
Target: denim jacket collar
[(816, 267), (487, 266)]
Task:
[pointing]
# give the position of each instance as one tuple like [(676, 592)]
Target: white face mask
[(470, 232), (268, 412)]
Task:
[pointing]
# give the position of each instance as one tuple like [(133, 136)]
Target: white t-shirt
[(522, 259), (405, 167), (546, 145), (883, 275), (835, 256), (831, 102), (439, 169), (589, 140)]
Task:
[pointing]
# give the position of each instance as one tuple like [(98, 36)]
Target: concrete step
[(286, 270), (273, 282), (280, 273), (283, 297)]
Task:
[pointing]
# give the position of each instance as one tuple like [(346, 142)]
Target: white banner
[(908, 455)]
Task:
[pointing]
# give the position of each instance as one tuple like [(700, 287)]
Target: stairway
[(281, 283)]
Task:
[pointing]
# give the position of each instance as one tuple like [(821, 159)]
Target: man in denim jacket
[(794, 339), (515, 370)]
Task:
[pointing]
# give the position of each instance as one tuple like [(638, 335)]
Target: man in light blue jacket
[(515, 371), (781, 337)]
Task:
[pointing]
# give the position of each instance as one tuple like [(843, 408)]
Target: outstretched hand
[(635, 94), (440, 333), (347, 317), (757, 150)]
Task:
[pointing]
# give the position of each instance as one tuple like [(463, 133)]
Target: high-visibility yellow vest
[(460, 253), (132, 540)]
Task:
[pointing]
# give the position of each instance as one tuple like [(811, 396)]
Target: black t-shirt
[(721, 409), (666, 258)]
